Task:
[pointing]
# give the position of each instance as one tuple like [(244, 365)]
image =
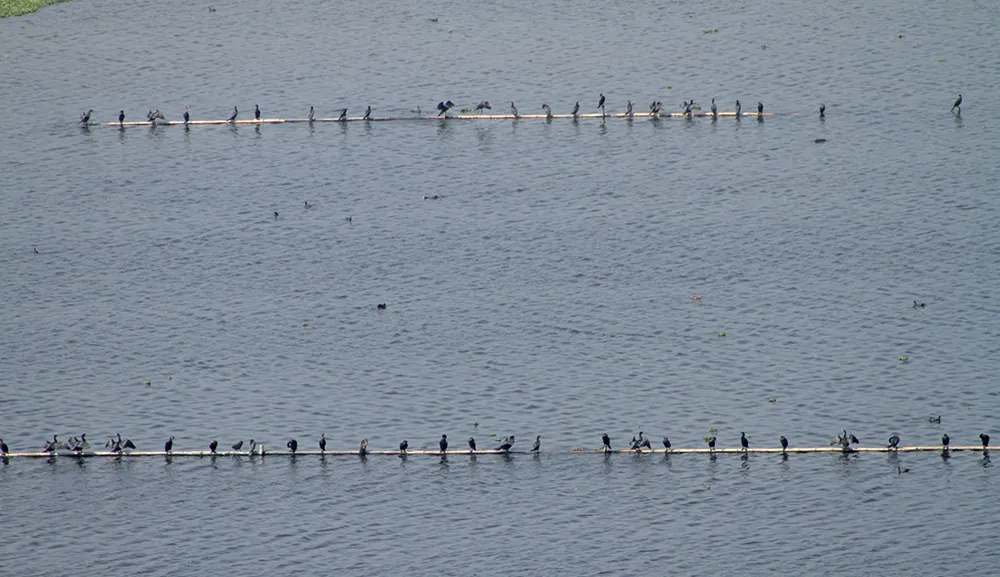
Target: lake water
[(546, 291)]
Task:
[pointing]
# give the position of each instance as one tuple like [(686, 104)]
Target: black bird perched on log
[(121, 117), (982, 437), (403, 446), (600, 103), (187, 114), (538, 444), (760, 109), (363, 450), (312, 114), (85, 117), (607, 442), (739, 108), (576, 109), (213, 446), (784, 443), (958, 104), (368, 113), (548, 111), (236, 112), (253, 446), (444, 107), (513, 110), (322, 442), (894, 442), (343, 115), (484, 105), (822, 110), (715, 110), (507, 444), (744, 441), (628, 109), (854, 439), (292, 445), (169, 445), (256, 112), (4, 449), (711, 442), (666, 443), (472, 444), (238, 446), (443, 443), (945, 440)]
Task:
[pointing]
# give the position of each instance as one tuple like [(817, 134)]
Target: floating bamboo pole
[(588, 116), (466, 453)]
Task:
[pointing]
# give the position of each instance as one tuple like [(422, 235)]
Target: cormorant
[(187, 114), (760, 109), (213, 446), (363, 450), (958, 104), (275, 215), (917, 305), (666, 443), (238, 445), (472, 444), (537, 445), (628, 109), (382, 306), (644, 444), (936, 419), (403, 446), (121, 117), (444, 107), (484, 105), (607, 442), (548, 111), (312, 114), (4, 449), (308, 206), (744, 441), (715, 111), (739, 107), (513, 110), (854, 439), (85, 117), (236, 112), (507, 444), (784, 443), (945, 440), (343, 115), (322, 442), (256, 112), (292, 445), (169, 445), (443, 443), (822, 110), (894, 442), (576, 109), (253, 446), (600, 103), (982, 437), (711, 442), (368, 113)]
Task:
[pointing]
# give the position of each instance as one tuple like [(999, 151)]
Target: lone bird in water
[(238, 446), (822, 110), (256, 112), (187, 114), (368, 113), (548, 111), (292, 445), (576, 109), (513, 110), (312, 114), (85, 117), (760, 109), (169, 445), (958, 105), (403, 446), (936, 419), (744, 441), (666, 443), (784, 443), (894, 442), (607, 442), (917, 305), (628, 109), (538, 444), (444, 107), (739, 108), (213, 446), (715, 111), (945, 440), (472, 444), (507, 444), (236, 112), (322, 442), (443, 443), (711, 442), (982, 437), (484, 105), (121, 117), (363, 450), (343, 115), (275, 215)]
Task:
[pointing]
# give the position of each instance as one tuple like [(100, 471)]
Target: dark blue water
[(546, 291)]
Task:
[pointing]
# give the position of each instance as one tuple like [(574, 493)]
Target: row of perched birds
[(655, 109), (78, 445)]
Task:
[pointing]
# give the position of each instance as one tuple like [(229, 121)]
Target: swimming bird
[(982, 437), (256, 112), (513, 110), (784, 443), (363, 450), (715, 111), (917, 305), (576, 109), (343, 115), (472, 444), (711, 442), (169, 445), (666, 443), (213, 446), (958, 104), (312, 114), (121, 117), (537, 445), (308, 206), (936, 419), (381, 306), (443, 443), (275, 215), (484, 105), (739, 107), (236, 112), (607, 442), (187, 114), (548, 111), (744, 441), (322, 442), (822, 110), (368, 113), (507, 444), (85, 117), (403, 446), (628, 109), (253, 446), (444, 107), (292, 445), (238, 446), (945, 440), (894, 442), (34, 248), (4, 449)]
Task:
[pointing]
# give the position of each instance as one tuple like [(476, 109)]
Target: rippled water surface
[(545, 290)]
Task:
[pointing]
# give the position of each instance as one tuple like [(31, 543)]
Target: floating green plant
[(11, 8)]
